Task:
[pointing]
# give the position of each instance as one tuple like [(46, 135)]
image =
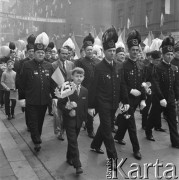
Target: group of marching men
[(112, 87)]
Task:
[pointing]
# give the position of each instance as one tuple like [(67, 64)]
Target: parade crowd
[(112, 84)]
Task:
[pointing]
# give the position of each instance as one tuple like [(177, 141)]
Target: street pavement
[(19, 161)]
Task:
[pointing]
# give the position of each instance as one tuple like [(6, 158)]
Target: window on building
[(149, 11)]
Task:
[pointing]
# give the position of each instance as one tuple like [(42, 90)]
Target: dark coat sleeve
[(156, 84), (176, 85), (22, 81), (123, 91), (92, 89)]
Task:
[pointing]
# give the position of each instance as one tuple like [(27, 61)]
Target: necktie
[(64, 66), (78, 90)]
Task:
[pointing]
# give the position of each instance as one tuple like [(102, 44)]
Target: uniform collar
[(38, 63), (166, 64), (109, 62), (133, 62)]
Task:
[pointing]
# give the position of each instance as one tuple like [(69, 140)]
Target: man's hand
[(8, 89), (135, 92), (163, 103), (91, 112), (142, 104), (72, 113), (126, 107)]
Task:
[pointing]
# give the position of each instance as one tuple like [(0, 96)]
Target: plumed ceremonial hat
[(155, 54), (39, 46), (120, 49), (12, 47), (109, 38), (88, 41), (134, 38), (50, 47), (168, 45), (30, 42)]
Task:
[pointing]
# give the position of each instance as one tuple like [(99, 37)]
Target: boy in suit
[(73, 117)]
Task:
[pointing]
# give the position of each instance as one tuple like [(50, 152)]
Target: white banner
[(28, 18)]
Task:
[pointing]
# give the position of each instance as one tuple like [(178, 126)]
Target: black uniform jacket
[(150, 73), (19, 69), (36, 83), (81, 109), (88, 65), (166, 81), (134, 76), (108, 87)]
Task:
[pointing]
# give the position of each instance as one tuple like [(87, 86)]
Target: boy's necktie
[(78, 90)]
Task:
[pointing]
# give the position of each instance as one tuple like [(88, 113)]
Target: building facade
[(80, 16), (138, 10)]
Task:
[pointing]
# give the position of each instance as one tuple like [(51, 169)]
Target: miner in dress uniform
[(107, 91), (88, 63), (30, 56), (134, 75), (36, 86), (151, 98), (167, 90)]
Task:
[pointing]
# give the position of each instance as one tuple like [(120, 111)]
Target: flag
[(152, 36), (128, 23), (123, 35), (146, 41), (161, 20), (58, 77), (100, 34), (93, 31), (119, 32), (77, 49), (46, 14), (167, 7), (162, 37), (146, 21)]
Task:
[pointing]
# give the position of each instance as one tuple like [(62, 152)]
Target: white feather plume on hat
[(156, 43), (69, 43), (43, 39)]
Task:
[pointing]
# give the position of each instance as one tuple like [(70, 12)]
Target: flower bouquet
[(146, 86)]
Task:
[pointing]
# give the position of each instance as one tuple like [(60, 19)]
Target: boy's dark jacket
[(81, 109)]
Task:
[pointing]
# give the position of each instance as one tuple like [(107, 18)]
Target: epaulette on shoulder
[(174, 68)]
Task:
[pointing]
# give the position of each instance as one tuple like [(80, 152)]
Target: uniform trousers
[(171, 120), (26, 116), (145, 111), (155, 107), (36, 114), (72, 149), (104, 133), (89, 124), (129, 124)]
